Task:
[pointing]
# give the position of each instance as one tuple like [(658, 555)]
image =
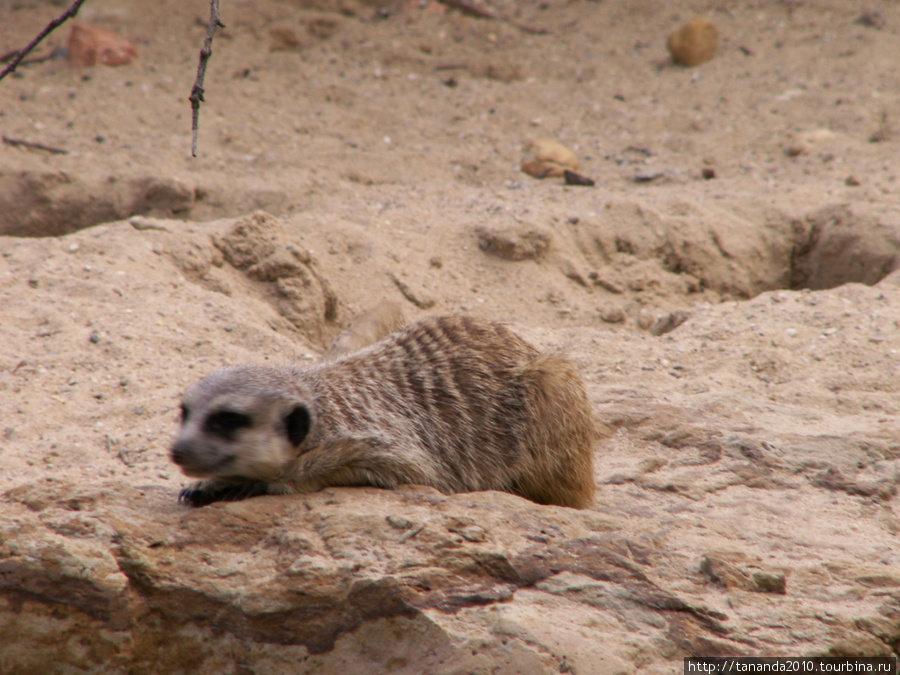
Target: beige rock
[(501, 70), (806, 141), (323, 27), (546, 157), (514, 243), (725, 569), (284, 39), (669, 322), (256, 245), (694, 43), (613, 315), (304, 581)]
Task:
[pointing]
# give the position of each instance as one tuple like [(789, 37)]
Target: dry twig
[(197, 91), (34, 146), (49, 28), (57, 53)]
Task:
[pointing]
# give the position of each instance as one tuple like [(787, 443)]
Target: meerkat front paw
[(207, 492)]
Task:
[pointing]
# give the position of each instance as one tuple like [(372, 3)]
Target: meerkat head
[(242, 422)]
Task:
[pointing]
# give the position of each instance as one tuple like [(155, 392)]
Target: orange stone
[(89, 46), (694, 43)]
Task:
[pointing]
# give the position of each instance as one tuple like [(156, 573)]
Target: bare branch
[(49, 28), (197, 91), (34, 146)]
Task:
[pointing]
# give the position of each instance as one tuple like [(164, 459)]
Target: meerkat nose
[(181, 452)]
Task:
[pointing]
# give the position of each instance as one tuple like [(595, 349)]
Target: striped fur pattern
[(454, 402)]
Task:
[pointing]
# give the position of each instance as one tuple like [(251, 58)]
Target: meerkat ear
[(297, 423)]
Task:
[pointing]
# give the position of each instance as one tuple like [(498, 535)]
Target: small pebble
[(694, 43), (573, 178), (806, 141), (520, 243), (604, 283), (871, 19), (648, 175), (399, 522), (613, 315)]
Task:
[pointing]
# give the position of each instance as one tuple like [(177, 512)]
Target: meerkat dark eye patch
[(297, 423), (184, 413), (225, 423)]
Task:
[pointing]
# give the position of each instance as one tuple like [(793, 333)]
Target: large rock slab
[(124, 578)]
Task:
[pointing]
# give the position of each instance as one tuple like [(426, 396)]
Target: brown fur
[(454, 402)]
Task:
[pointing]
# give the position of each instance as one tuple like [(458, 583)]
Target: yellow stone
[(694, 43)]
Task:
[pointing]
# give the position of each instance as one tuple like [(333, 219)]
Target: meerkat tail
[(366, 329), (559, 468)]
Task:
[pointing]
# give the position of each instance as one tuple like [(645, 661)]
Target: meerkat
[(455, 402)]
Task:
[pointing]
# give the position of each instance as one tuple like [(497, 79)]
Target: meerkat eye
[(184, 413), (297, 423), (224, 423)]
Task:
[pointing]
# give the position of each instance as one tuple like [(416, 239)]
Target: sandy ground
[(385, 141), (386, 138)]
